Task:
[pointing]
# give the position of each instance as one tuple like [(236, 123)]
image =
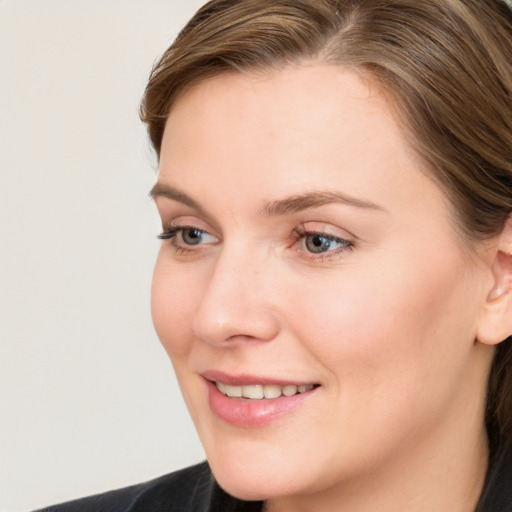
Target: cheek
[(390, 329), (173, 295)]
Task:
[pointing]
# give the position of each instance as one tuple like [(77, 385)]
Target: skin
[(385, 323)]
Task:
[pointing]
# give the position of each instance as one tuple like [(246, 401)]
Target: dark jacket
[(194, 490), (189, 490)]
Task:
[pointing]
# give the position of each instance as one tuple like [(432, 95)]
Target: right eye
[(185, 237), (192, 236)]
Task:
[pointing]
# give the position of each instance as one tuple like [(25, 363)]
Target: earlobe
[(496, 320)]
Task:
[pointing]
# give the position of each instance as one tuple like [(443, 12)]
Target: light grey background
[(88, 401)]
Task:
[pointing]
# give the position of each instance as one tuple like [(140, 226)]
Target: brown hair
[(446, 64)]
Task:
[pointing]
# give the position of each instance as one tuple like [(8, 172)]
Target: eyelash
[(170, 234), (299, 233)]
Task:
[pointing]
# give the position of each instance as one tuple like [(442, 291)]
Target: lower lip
[(252, 413)]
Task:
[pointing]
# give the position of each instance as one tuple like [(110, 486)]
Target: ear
[(495, 323)]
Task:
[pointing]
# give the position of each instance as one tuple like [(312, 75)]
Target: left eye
[(319, 243)]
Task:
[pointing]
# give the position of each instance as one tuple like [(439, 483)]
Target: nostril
[(241, 337)]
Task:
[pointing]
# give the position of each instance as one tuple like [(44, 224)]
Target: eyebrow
[(160, 190), (315, 199), (287, 206)]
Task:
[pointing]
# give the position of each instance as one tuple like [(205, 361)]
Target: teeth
[(289, 390), (253, 392), (272, 391), (234, 391), (258, 392)]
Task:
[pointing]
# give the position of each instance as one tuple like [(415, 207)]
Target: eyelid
[(325, 228), (178, 222)]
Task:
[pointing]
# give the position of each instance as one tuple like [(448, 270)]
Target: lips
[(248, 401)]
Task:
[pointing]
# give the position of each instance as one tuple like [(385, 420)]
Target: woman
[(334, 286)]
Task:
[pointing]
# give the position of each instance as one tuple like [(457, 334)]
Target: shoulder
[(187, 490)]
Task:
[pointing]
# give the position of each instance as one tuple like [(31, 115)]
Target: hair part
[(446, 65)]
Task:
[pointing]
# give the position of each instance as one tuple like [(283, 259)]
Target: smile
[(262, 392), (239, 401)]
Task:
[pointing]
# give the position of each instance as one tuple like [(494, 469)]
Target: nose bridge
[(236, 303)]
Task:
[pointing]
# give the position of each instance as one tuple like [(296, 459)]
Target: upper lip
[(248, 380)]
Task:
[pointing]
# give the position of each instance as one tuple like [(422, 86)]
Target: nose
[(237, 303)]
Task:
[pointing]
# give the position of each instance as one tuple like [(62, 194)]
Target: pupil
[(317, 243), (192, 236)]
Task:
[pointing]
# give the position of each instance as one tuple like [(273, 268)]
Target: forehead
[(309, 85), (283, 132), (299, 110)]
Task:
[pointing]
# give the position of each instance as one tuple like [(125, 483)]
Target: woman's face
[(305, 250)]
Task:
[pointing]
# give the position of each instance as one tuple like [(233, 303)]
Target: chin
[(247, 490), (251, 487), (266, 474)]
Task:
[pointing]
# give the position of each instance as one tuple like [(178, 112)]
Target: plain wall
[(88, 401)]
